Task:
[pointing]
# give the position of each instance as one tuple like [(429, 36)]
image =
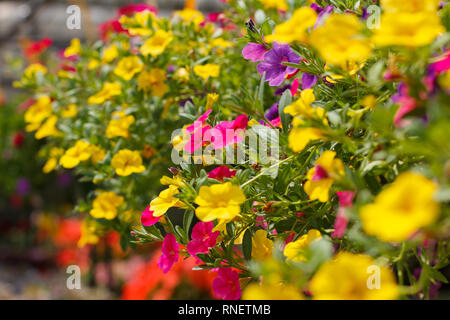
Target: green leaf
[(187, 220), (286, 99), (247, 245)]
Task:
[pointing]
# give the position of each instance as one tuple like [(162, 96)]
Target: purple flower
[(308, 80), (254, 52), (281, 90), (323, 15), (273, 63), (23, 186), (272, 113)]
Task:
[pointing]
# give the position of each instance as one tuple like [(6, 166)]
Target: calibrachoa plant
[(350, 201)]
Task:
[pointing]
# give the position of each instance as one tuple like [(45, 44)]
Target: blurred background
[(39, 232)]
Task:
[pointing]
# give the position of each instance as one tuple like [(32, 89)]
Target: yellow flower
[(207, 70), (408, 29), (278, 291), (109, 90), (73, 156), (322, 175), (69, 112), (276, 4), (369, 101), (89, 235), (211, 98), (109, 54), (300, 137), (347, 277), (295, 250), (153, 81), (190, 15), (295, 29), (402, 209), (219, 201), (74, 48), (105, 205), (37, 112), (410, 6), (182, 74), (50, 165), (444, 81), (157, 43), (93, 64), (118, 126), (339, 41), (127, 162), (302, 107), (176, 181), (128, 67), (138, 24), (261, 246), (165, 201), (97, 153), (48, 128), (222, 43), (33, 69)]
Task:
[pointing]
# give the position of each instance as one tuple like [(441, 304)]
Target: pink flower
[(221, 172), (130, 9), (260, 222), (147, 218), (202, 238), (443, 64), (295, 86), (345, 198), (201, 119), (340, 224), (228, 132), (170, 253), (226, 285), (254, 52)]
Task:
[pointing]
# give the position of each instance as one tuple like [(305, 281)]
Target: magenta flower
[(406, 103), (203, 238), (295, 85), (147, 218), (221, 172), (340, 224), (226, 285), (170, 253), (442, 65), (227, 132), (273, 66), (254, 52), (345, 198)]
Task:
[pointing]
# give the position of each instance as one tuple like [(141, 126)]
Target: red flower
[(36, 48), (18, 139), (221, 172)]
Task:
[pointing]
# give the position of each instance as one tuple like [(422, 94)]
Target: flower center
[(320, 173)]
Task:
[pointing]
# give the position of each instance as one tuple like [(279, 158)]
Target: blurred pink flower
[(226, 285), (221, 172)]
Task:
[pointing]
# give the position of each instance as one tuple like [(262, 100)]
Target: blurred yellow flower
[(74, 48), (190, 15), (157, 43), (295, 250), (348, 277), (295, 29), (153, 81), (339, 41), (70, 111), (48, 128), (127, 162), (401, 209), (261, 246), (38, 112), (219, 201), (34, 68), (280, 291), (302, 107), (276, 4), (105, 205), (118, 126), (89, 234), (211, 98), (128, 67), (109, 90), (73, 156), (207, 70), (97, 154), (109, 54)]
